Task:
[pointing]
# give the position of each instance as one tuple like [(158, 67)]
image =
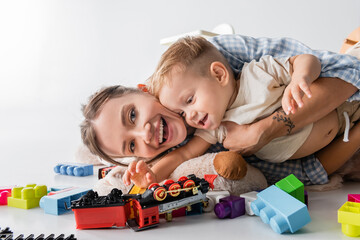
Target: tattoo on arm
[(281, 117)]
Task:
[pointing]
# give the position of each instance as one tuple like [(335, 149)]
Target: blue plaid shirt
[(238, 49)]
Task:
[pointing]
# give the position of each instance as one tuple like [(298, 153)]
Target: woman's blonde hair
[(90, 112)]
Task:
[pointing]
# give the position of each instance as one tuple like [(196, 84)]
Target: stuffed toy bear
[(233, 174)]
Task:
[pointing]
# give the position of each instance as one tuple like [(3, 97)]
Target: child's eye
[(132, 115), (182, 114), (132, 146), (189, 100)]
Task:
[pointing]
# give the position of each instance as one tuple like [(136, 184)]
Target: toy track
[(7, 234)]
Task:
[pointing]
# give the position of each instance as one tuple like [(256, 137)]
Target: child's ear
[(219, 71)]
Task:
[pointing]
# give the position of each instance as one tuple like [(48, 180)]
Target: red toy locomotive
[(139, 211)]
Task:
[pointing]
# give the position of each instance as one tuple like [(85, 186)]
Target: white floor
[(32, 141), (322, 206)]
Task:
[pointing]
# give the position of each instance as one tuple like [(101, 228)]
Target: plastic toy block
[(27, 197), (249, 198), (55, 203), (281, 210), (292, 186), (231, 207), (136, 190), (214, 198), (349, 217), (74, 169), (56, 190), (354, 198), (102, 172), (8, 234), (5, 192)]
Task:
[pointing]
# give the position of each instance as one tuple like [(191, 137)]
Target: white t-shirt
[(261, 87)]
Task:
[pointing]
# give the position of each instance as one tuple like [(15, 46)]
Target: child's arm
[(248, 139), (306, 69), (142, 175)]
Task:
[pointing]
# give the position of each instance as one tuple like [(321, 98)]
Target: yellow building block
[(349, 217), (137, 190), (27, 197)]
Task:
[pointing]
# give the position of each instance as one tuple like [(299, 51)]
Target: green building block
[(292, 186), (27, 197)]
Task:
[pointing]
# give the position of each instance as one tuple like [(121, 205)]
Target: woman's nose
[(145, 133)]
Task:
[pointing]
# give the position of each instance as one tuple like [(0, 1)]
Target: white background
[(54, 54)]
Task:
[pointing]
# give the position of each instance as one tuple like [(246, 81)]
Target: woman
[(147, 134)]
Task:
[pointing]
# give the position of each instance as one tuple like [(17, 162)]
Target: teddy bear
[(234, 175), (230, 170)]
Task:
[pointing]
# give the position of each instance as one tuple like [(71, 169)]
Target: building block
[(74, 169), (349, 217), (5, 192), (354, 198), (55, 203), (249, 198), (292, 186), (306, 196), (102, 172), (27, 197), (8, 234), (214, 198), (231, 207), (281, 210)]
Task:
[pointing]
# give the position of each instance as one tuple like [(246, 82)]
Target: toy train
[(139, 211)]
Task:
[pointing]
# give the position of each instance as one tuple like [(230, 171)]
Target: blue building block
[(54, 204), (74, 169), (281, 210)]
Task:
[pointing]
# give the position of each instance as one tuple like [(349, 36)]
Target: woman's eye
[(189, 100), (132, 115), (132, 146)]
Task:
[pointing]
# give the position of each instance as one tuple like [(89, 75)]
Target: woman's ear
[(219, 72)]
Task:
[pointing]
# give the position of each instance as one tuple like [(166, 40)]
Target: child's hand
[(140, 174), (292, 98)]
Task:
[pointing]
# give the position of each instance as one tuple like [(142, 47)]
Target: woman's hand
[(245, 139)]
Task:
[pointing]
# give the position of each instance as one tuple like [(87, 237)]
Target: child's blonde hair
[(194, 53), (92, 109)]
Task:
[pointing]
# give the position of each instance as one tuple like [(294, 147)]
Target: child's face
[(137, 125), (201, 100)]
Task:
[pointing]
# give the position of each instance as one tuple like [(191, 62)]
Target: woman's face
[(137, 125)]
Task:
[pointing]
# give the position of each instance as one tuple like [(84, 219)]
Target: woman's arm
[(328, 93)]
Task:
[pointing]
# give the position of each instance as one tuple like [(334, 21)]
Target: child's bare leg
[(333, 156), (140, 174), (322, 133)]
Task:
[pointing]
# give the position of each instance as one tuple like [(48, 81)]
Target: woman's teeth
[(161, 131)]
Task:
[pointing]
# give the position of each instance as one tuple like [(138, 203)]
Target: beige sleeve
[(207, 135), (279, 68)]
